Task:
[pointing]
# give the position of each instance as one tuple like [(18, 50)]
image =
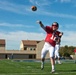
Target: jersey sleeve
[(48, 29)]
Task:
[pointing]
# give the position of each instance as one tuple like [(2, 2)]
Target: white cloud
[(69, 38), (62, 1), (58, 14), (15, 25), (70, 26), (65, 0), (24, 9), (13, 39), (40, 2), (21, 9)]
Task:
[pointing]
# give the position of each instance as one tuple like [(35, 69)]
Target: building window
[(30, 56), (25, 48), (34, 49), (31, 49)]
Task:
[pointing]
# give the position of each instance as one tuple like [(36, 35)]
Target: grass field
[(12, 67)]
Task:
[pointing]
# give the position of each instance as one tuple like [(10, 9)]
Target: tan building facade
[(34, 47), (29, 49), (39, 48)]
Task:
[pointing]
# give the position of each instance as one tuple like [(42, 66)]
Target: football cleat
[(59, 62), (53, 71)]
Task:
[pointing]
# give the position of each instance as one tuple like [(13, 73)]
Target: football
[(34, 8)]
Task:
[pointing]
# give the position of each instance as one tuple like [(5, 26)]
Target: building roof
[(30, 42), (2, 42)]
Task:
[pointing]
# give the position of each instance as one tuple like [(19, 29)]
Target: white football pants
[(47, 47), (57, 46)]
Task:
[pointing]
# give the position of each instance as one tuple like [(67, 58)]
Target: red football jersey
[(51, 35)]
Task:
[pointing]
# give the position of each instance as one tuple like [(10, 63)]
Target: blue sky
[(18, 21)]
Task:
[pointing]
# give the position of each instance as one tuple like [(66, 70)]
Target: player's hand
[(55, 38), (39, 22), (61, 34)]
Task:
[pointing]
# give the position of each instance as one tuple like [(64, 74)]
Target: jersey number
[(53, 37)]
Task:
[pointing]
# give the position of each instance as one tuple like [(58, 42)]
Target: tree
[(66, 51)]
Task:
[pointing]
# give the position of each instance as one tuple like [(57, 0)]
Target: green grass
[(11, 67)]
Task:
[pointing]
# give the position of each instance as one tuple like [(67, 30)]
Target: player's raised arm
[(39, 22)]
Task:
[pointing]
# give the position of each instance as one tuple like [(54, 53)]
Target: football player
[(50, 42), (57, 47)]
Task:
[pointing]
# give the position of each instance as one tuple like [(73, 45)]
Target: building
[(28, 45), (2, 44), (29, 49), (32, 48), (39, 48)]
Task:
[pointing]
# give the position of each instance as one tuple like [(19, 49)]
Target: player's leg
[(57, 53), (59, 62), (55, 59), (43, 54), (52, 52)]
